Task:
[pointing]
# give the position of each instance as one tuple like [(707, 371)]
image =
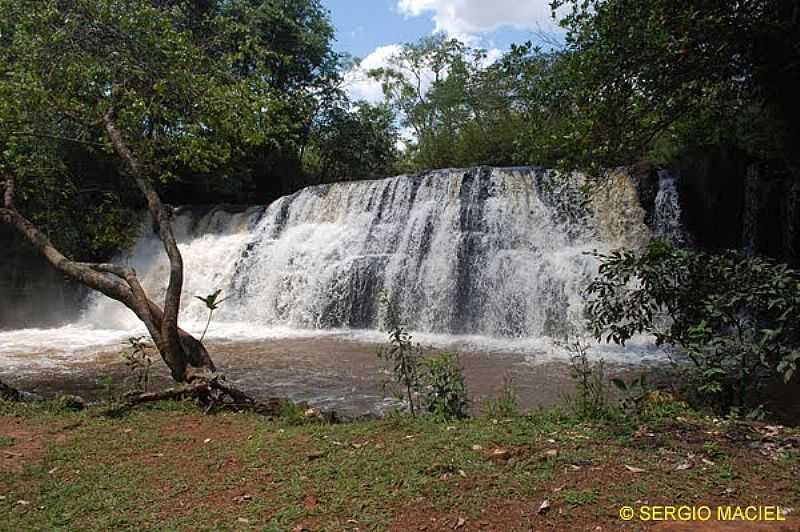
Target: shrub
[(444, 393), (735, 317)]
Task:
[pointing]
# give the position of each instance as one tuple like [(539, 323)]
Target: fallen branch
[(198, 390), (214, 392)]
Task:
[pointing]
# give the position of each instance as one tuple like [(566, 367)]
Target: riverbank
[(170, 467)]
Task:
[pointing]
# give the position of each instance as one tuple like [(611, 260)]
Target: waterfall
[(667, 223), (491, 252)]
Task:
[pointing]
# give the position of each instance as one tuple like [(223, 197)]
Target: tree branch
[(169, 324)]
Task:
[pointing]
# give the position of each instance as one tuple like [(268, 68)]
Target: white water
[(488, 259), (667, 223)]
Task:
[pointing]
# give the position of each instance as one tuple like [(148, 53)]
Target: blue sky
[(362, 26), (373, 30)]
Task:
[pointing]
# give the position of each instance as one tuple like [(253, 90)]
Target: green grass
[(169, 467), (6, 441), (580, 498)]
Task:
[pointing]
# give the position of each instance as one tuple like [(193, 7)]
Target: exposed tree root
[(214, 392)]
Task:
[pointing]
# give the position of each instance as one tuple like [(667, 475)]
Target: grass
[(170, 467)]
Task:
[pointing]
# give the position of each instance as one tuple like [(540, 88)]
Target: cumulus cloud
[(466, 18), (359, 85)]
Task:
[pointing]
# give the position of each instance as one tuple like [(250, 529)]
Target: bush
[(735, 317), (444, 393), (435, 384)]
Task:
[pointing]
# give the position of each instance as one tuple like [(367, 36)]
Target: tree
[(458, 107), (735, 317), (150, 83), (656, 74), (355, 143)]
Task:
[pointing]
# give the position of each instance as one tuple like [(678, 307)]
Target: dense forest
[(675, 81)]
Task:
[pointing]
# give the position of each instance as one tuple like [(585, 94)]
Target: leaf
[(635, 469)]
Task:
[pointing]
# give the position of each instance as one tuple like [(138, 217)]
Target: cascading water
[(667, 224), (487, 254)]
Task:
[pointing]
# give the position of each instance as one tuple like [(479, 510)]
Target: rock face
[(732, 202), (32, 292)]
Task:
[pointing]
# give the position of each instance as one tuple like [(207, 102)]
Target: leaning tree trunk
[(185, 356)]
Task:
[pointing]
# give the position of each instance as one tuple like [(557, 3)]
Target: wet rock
[(72, 402)]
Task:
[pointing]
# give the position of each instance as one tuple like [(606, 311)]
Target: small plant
[(505, 405), (402, 353), (713, 450), (580, 497), (444, 393), (212, 303), (591, 401), (7, 441), (634, 393), (138, 360)]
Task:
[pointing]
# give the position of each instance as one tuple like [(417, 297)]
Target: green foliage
[(458, 109), (592, 399), (644, 74), (403, 355), (580, 497), (505, 405), (444, 393), (7, 441), (734, 316), (354, 143), (435, 385), (138, 360), (634, 392), (211, 97), (212, 303)]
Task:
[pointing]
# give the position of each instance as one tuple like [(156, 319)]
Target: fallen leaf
[(460, 523), (477, 447), (683, 467), (207, 440), (544, 507), (52, 471), (635, 469), (243, 521)]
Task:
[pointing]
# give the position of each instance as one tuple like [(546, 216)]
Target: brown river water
[(328, 372)]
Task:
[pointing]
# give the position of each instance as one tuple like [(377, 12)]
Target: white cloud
[(359, 85), (466, 18)]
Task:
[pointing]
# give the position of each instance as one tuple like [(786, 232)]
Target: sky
[(373, 30)]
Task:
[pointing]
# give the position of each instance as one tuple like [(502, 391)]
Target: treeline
[(632, 80)]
